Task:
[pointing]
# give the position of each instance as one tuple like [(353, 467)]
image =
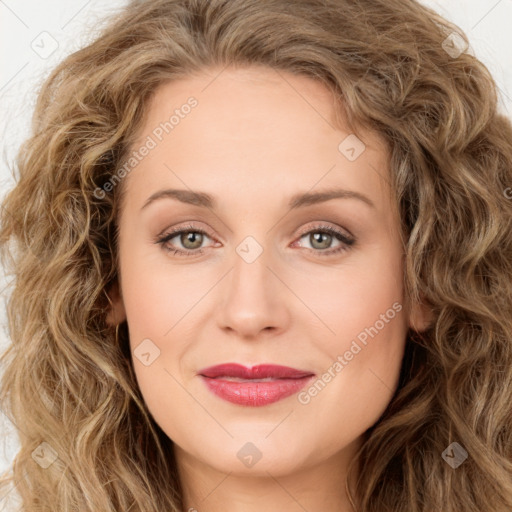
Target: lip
[(248, 389)]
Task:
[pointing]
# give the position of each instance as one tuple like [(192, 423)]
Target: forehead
[(251, 129)]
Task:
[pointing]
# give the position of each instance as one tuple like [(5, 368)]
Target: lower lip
[(253, 393)]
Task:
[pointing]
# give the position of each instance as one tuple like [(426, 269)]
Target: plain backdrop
[(35, 36)]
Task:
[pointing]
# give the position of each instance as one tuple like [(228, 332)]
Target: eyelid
[(175, 230), (321, 225)]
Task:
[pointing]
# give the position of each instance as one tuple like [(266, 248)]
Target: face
[(282, 248)]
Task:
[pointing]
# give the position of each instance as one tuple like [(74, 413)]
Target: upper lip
[(260, 371)]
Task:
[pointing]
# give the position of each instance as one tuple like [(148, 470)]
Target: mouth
[(256, 386)]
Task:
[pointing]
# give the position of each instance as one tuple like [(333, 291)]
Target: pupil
[(320, 235), (191, 236)]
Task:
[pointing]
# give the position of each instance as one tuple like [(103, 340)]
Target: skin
[(256, 138)]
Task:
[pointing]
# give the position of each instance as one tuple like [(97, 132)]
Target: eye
[(191, 239), (321, 238)]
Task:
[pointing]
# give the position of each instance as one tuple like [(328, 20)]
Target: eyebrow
[(204, 200)]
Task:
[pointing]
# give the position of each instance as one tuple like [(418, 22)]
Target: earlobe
[(116, 312), (420, 317)]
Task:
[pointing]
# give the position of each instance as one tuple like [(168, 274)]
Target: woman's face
[(261, 173)]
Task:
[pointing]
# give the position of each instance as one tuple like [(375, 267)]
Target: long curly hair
[(396, 67)]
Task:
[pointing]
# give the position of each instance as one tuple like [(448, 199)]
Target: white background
[(72, 23)]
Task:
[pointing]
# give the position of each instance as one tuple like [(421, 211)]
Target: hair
[(68, 380)]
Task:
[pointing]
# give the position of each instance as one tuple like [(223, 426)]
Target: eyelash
[(347, 241)]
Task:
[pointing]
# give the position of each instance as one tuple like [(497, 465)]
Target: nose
[(254, 299)]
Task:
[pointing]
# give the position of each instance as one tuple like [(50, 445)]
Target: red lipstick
[(260, 385)]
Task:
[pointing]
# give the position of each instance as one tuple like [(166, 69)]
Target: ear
[(116, 312), (421, 316)]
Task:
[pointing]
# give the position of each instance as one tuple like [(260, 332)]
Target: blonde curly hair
[(67, 382)]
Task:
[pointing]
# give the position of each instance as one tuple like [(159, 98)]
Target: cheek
[(156, 300), (363, 308), (357, 301), (156, 293), (161, 300)]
